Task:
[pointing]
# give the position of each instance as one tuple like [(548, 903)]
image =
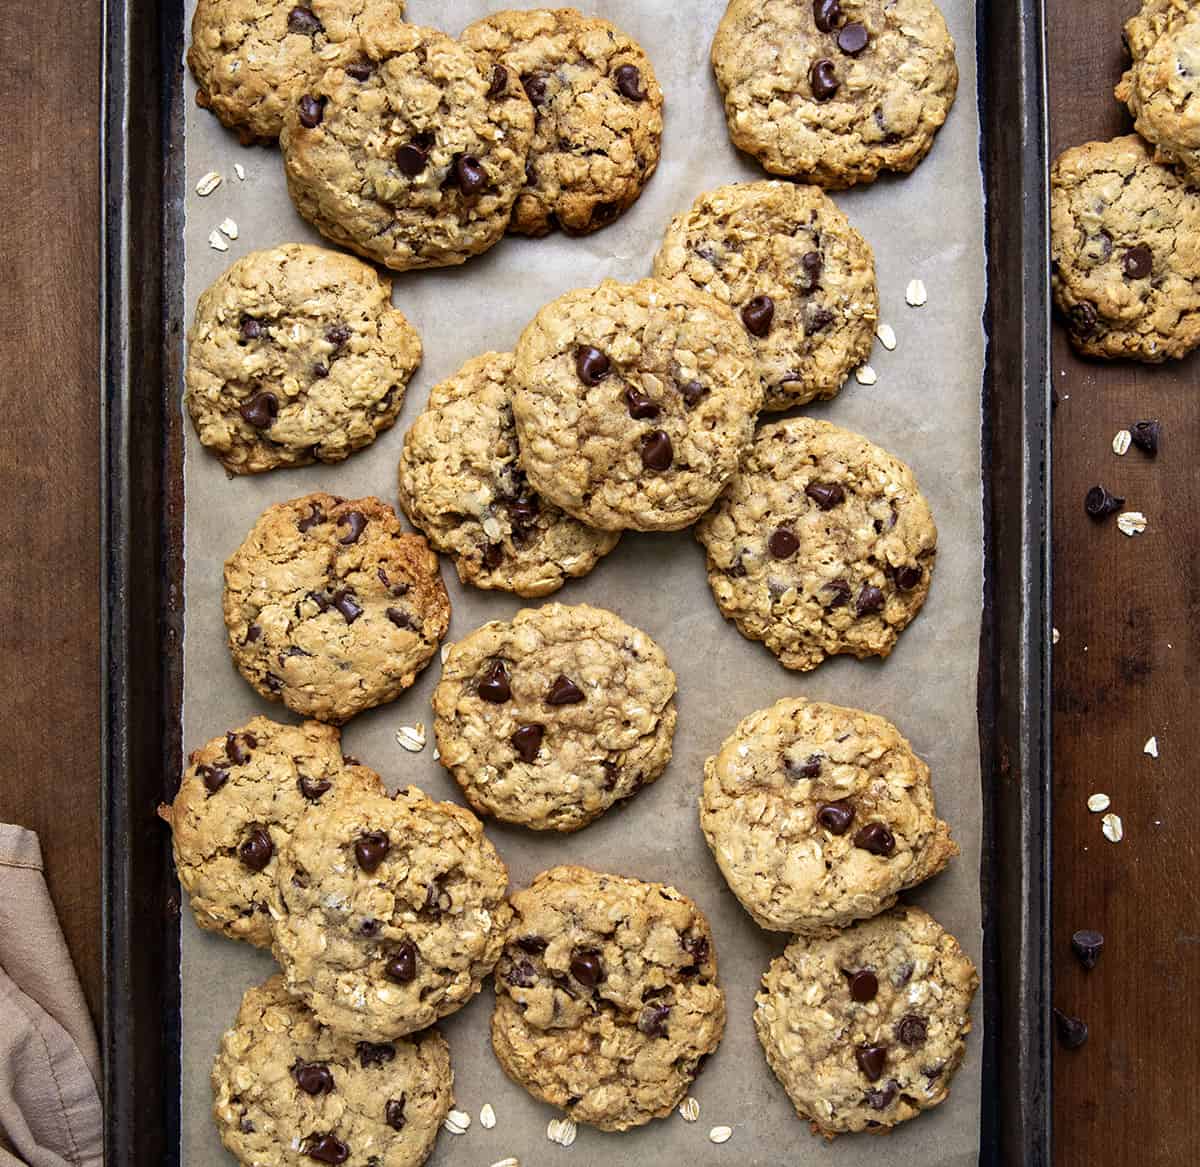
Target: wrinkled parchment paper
[(925, 408)]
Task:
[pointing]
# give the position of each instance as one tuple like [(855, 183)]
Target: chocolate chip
[(411, 160), (1084, 319), (470, 174), (871, 1059), (320, 599), (757, 315), (639, 405), (853, 38), (587, 968), (603, 213), (252, 634), (809, 768), (213, 777), (1072, 1031), (782, 543), (839, 593), (629, 83), (817, 319), (903, 974), (493, 686), (305, 21), (499, 82), (393, 1113), (314, 518), (256, 849), (234, 749), (370, 927), (882, 1099), (372, 1053), (591, 365), (326, 1149), (657, 452), (338, 335), (870, 599), (400, 618), (320, 371), (402, 964), (827, 14), (911, 1030), (371, 849), (1087, 946), (697, 947), (346, 603), (836, 817), (864, 984), (355, 523), (653, 1020), (823, 79), (564, 691), (493, 555), (313, 1077), (1099, 503), (250, 328), (261, 410), (535, 87), (521, 975), (534, 945), (1145, 435), (811, 266), (693, 393), (312, 111), (1138, 262), (360, 70), (876, 839), (527, 741), (908, 577), (826, 495)]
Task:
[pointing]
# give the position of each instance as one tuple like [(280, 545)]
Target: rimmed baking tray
[(142, 499)]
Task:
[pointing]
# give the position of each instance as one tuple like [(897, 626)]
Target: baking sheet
[(925, 407)]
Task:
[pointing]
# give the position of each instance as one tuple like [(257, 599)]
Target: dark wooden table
[(1128, 609)]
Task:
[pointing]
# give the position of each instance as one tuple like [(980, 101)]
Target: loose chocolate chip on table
[(871, 1059), (757, 315), (639, 405), (326, 1149), (1145, 435), (839, 593), (470, 174), (261, 410), (870, 599), (493, 556), (782, 543), (401, 619), (587, 968), (493, 685), (256, 849), (811, 266), (312, 111), (360, 70), (907, 577), (313, 788), (657, 452), (827, 14), (393, 1113), (1087, 946), (591, 365), (653, 1020), (911, 1030), (693, 393), (355, 524), (411, 160), (836, 817), (629, 83), (882, 1099), (826, 495), (853, 38), (402, 964), (371, 849), (527, 741), (344, 601), (1099, 503), (864, 984), (875, 838), (305, 21), (564, 691), (809, 768), (313, 1077), (213, 777), (535, 87), (372, 1053), (1138, 262), (499, 82), (823, 79), (1072, 1031), (250, 328)]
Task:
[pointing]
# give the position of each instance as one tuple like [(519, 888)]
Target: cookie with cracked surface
[(296, 355), (331, 607), (550, 719), (819, 815), (252, 60), (598, 109), (241, 796), (462, 484), (634, 403), (288, 1090), (801, 279), (822, 544), (865, 1027), (607, 1000), (1125, 252), (835, 91), (412, 155), (394, 911), (1162, 85)]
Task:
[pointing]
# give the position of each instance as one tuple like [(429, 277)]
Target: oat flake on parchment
[(487, 1116), (720, 1134), (689, 1110), (217, 241), (562, 1131), (865, 375), (411, 737), (208, 183), (509, 1162), (457, 1122), (887, 336), (915, 295)]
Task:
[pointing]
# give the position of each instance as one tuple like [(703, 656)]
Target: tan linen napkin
[(50, 1110)]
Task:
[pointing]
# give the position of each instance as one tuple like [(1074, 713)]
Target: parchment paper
[(926, 408)]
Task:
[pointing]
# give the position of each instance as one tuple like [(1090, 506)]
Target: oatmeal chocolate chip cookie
[(598, 112), (287, 1090), (834, 91), (822, 544), (252, 59), (331, 608), (634, 403), (1162, 85), (1125, 252), (607, 999), (550, 719), (818, 816), (865, 1027), (241, 797), (462, 484), (411, 155), (394, 912), (801, 279), (296, 355)]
